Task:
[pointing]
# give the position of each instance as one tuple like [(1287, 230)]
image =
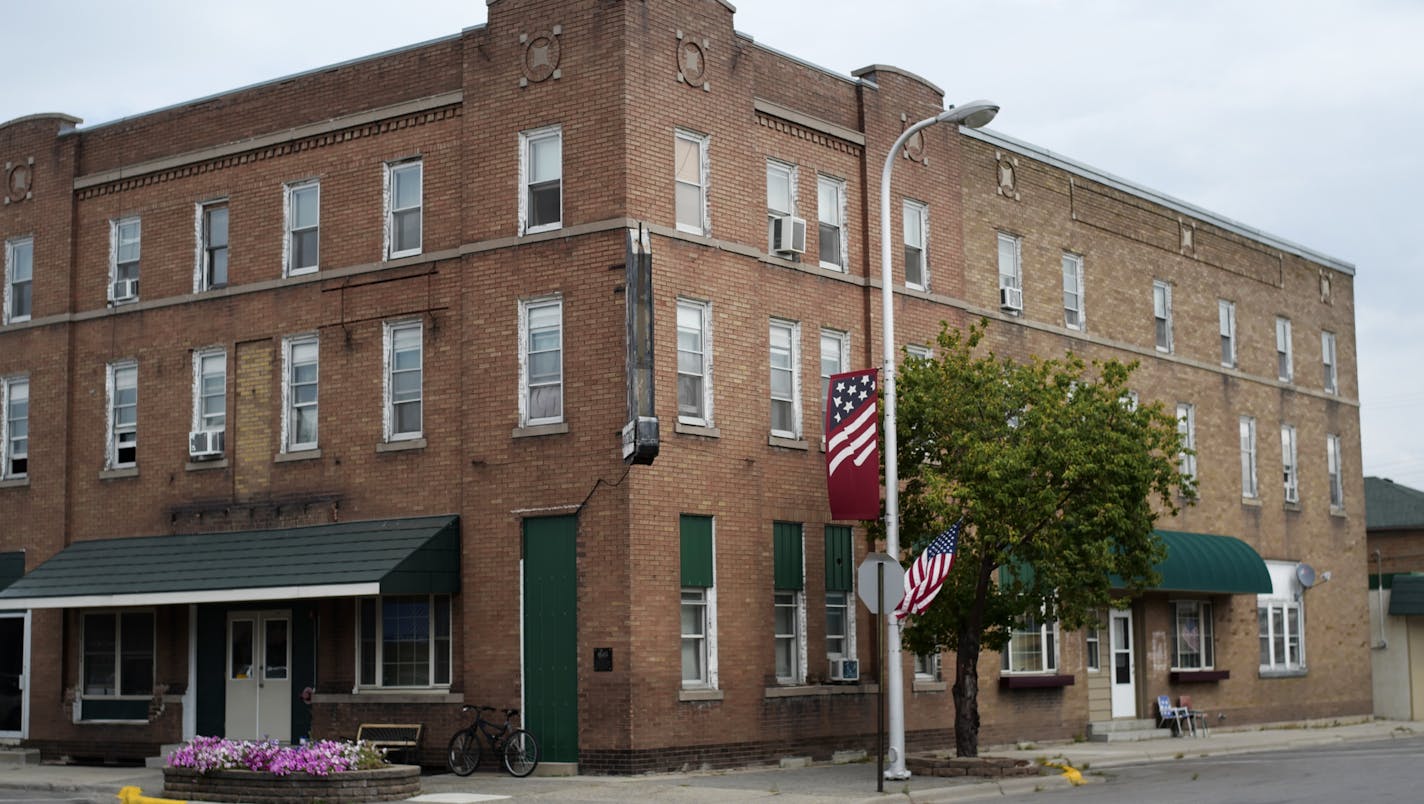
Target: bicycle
[(515, 746)]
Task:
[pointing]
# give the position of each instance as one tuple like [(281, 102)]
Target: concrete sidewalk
[(816, 783)]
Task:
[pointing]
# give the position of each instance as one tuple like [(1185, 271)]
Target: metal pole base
[(897, 776)]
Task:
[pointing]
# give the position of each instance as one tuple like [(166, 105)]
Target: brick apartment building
[(315, 394)]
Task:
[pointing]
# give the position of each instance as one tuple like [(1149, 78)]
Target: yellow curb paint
[(134, 795), (1072, 774)]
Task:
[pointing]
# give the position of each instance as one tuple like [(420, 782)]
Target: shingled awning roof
[(387, 556), (1392, 506)]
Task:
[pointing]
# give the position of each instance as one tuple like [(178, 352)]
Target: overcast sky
[(1296, 117)]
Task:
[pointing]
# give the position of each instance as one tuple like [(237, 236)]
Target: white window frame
[(11, 389), (1045, 634), (290, 404), (210, 362), (1334, 473), (1285, 361), (794, 601), (843, 602), (702, 357), (918, 351), (1274, 614), (123, 232), (204, 277), (390, 418), (919, 211), (927, 667), (777, 170), (701, 143), (831, 213), (702, 602), (391, 173), (1162, 315), (1226, 321), (1328, 362), (1074, 317), (527, 142), (1010, 262), (293, 228), (792, 358), (121, 436), (834, 359), (1290, 464), (435, 638), (14, 248), (118, 617), (1181, 612), (527, 309), (1187, 431), (1093, 645), (1249, 487)]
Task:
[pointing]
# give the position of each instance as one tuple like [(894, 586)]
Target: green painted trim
[(12, 567), (106, 709), (786, 556), (696, 533), (1407, 596), (840, 559)]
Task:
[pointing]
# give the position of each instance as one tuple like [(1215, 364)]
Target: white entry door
[(1124, 672), (259, 675)]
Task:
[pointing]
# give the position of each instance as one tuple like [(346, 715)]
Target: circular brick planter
[(392, 783)]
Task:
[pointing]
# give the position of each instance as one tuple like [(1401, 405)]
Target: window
[(19, 276), (404, 641), (780, 197), (1289, 467), (835, 355), (1332, 468), (830, 209), (690, 171), (916, 226), (1248, 457), (1093, 645), (541, 357), (927, 667), (1279, 618), (789, 613), (404, 197), (302, 246), (209, 390), (1073, 315), (541, 180), (1285, 370), (1226, 316), (124, 253), (699, 597), (14, 428), (840, 583), (123, 415), (118, 654), (1187, 431), (915, 351), (404, 355), (1162, 314), (785, 379), (1032, 647), (212, 246), (1327, 358), (1010, 272), (1192, 647), (694, 362), (299, 393)]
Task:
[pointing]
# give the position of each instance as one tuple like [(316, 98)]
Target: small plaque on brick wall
[(602, 660)]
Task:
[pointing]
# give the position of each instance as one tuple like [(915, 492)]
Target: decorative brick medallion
[(692, 61), (19, 178), (540, 60)]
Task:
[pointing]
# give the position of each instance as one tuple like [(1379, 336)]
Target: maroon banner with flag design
[(852, 446)]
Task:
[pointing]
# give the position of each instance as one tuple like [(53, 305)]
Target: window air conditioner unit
[(788, 235), (124, 290), (1011, 298), (845, 669), (205, 444)]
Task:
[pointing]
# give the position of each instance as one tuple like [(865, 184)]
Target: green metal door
[(551, 636)]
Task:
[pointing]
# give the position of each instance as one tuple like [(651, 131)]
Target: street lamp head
[(974, 114)]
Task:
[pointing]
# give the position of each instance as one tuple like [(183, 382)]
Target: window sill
[(110, 722), (1198, 676), (1254, 502), (401, 446), (203, 466), (1293, 506), (15, 482), (535, 430), (1294, 672), (1340, 512), (697, 430), (440, 696), (543, 227), (299, 455), (815, 690), (1033, 682), (788, 443), (929, 686), (115, 474), (699, 694)]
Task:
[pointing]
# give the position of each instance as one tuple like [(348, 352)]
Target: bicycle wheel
[(521, 754), (464, 754)]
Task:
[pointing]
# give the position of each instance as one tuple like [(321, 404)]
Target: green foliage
[(1055, 474)]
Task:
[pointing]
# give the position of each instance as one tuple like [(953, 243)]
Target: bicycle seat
[(511, 712)]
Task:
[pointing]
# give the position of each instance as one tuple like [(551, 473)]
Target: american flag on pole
[(927, 574), (852, 449)]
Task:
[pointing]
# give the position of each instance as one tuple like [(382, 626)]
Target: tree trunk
[(966, 667)]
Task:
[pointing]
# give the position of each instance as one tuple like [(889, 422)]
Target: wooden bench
[(402, 737)]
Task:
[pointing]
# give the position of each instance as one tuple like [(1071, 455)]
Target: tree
[(1054, 469)]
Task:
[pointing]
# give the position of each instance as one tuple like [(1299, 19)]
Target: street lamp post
[(973, 115)]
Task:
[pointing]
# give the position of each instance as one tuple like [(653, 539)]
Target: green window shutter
[(697, 551), (786, 544), (840, 558)]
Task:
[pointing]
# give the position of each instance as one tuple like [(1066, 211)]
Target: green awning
[(388, 556), (1407, 595), (1204, 562), (12, 567)]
